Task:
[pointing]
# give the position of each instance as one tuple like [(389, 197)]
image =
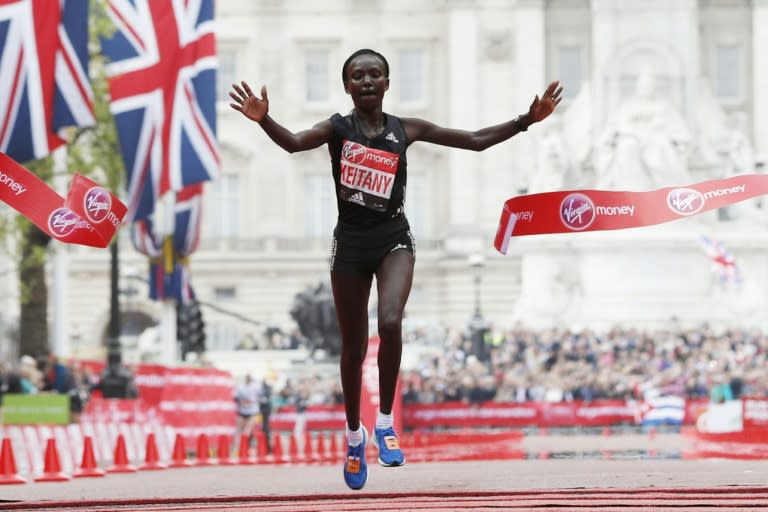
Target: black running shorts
[(359, 251)]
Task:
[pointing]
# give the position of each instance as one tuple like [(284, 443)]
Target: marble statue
[(644, 145)]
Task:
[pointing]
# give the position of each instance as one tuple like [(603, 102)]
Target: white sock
[(383, 420), (354, 437)]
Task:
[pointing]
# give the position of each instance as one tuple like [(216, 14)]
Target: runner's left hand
[(541, 107)]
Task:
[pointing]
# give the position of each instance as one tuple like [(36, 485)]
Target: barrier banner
[(89, 215), (500, 414), (191, 400), (756, 414), (318, 417), (570, 211), (369, 393)]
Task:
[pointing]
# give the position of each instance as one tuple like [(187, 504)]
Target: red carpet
[(624, 500)]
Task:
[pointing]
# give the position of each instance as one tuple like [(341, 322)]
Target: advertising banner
[(42, 409)]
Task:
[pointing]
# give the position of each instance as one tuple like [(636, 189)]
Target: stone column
[(463, 77), (760, 76), (530, 57), (530, 76)]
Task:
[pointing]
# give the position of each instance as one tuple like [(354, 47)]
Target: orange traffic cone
[(321, 455), (52, 470), (222, 451), (203, 451), (261, 447), (152, 459), (308, 455), (179, 454), (88, 466), (8, 473), (121, 463), (293, 450), (277, 449), (244, 451), (333, 455)]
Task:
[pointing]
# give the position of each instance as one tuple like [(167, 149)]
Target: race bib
[(367, 175)]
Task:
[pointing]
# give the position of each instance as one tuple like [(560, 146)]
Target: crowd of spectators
[(506, 365), (557, 365), (47, 374)]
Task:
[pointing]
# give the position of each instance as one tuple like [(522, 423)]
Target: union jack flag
[(28, 45), (43, 74), (163, 96), (723, 262), (169, 267), (73, 100)]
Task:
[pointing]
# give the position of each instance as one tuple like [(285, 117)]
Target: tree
[(32, 244)]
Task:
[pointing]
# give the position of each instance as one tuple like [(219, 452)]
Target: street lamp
[(116, 380), (477, 327), (477, 264)]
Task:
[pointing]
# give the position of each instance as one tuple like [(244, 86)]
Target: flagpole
[(165, 216), (60, 344)]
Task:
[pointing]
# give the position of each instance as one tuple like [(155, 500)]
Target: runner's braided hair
[(364, 51)]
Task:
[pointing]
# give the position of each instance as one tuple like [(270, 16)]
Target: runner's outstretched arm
[(540, 109), (257, 109)]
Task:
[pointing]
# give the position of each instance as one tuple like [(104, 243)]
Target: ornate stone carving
[(645, 143)]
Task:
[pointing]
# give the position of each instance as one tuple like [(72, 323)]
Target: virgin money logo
[(577, 212), (62, 222), (97, 204), (353, 152), (685, 201)]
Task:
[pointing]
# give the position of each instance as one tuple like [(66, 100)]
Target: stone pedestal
[(652, 277)]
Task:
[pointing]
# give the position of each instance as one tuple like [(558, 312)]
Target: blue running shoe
[(388, 444), (355, 468)]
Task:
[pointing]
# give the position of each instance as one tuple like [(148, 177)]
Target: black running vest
[(370, 174)]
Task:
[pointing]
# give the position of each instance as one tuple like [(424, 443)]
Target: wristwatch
[(522, 122)]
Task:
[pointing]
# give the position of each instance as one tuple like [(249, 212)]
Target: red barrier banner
[(756, 414), (115, 410), (572, 211), (318, 417), (89, 216), (527, 414), (457, 414), (693, 409), (191, 400), (369, 393)]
